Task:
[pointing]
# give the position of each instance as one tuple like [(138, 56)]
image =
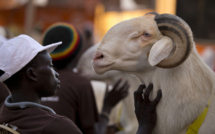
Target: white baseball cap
[(17, 52)]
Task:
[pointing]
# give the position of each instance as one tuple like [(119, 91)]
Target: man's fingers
[(117, 84), (158, 97), (106, 90), (147, 92), (140, 89), (138, 92), (124, 90), (125, 86), (124, 94)]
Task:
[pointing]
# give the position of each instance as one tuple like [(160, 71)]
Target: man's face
[(47, 77)]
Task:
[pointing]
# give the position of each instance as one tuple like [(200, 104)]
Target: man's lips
[(58, 84)]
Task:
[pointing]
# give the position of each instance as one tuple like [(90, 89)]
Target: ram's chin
[(101, 68)]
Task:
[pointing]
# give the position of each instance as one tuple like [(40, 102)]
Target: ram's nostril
[(98, 56)]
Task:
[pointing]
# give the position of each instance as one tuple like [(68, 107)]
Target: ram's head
[(161, 40)]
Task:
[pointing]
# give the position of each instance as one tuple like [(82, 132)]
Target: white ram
[(159, 49), (127, 118)]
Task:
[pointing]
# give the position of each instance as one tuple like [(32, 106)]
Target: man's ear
[(31, 74)]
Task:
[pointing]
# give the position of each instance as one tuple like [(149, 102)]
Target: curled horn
[(179, 31)]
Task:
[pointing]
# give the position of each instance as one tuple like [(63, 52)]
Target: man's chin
[(49, 94)]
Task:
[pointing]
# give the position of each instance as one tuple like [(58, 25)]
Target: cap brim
[(51, 47)]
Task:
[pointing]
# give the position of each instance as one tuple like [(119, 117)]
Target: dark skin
[(115, 95), (38, 80), (145, 109), (111, 99)]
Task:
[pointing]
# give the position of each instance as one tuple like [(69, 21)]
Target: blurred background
[(95, 17)]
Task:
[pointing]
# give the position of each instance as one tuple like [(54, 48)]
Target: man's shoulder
[(38, 120)]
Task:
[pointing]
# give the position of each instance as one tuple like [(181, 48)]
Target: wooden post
[(29, 16)]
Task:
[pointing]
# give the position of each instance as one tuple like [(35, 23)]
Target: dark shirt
[(33, 118), (75, 99)]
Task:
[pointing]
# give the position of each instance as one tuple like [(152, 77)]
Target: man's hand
[(145, 109), (110, 100), (115, 95)]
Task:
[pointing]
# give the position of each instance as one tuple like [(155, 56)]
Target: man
[(27, 70)]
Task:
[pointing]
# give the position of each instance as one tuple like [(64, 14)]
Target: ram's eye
[(146, 34)]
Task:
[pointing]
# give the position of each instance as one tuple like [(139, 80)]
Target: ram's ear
[(160, 50)]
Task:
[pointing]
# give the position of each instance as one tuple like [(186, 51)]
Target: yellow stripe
[(194, 128)]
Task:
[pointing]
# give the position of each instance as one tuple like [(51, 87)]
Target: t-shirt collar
[(21, 105)]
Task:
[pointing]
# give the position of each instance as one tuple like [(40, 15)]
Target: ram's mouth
[(97, 64), (101, 67), (101, 63)]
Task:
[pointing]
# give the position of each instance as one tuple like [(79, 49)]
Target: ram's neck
[(193, 71), (145, 76), (185, 89)]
